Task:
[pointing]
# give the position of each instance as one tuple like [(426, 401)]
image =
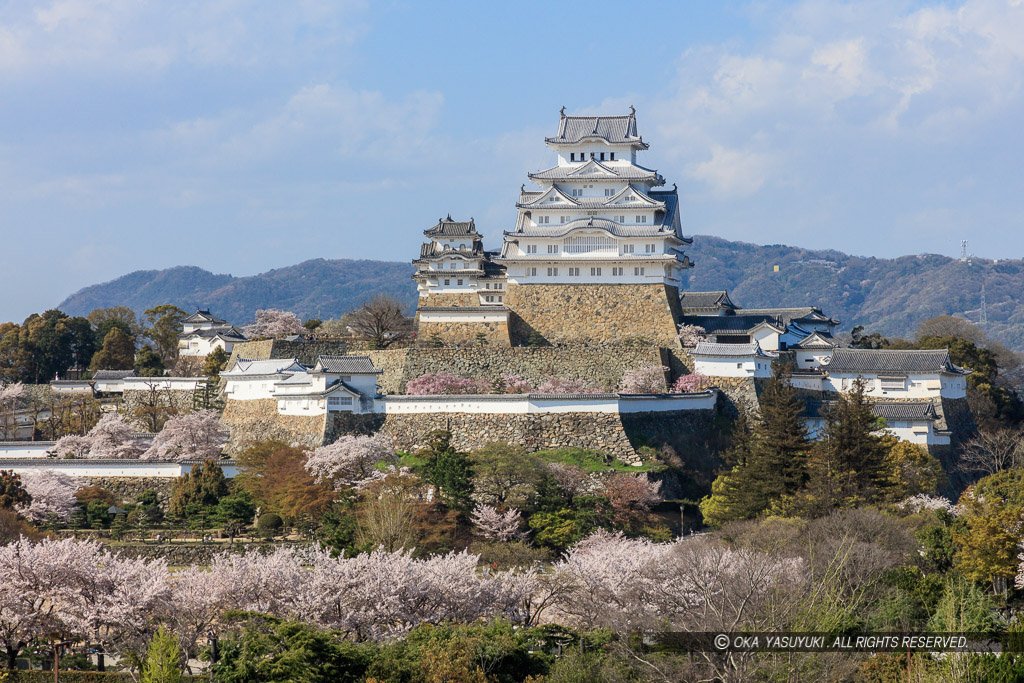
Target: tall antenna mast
[(984, 308), (963, 250)]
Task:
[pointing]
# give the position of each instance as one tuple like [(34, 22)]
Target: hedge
[(75, 677)]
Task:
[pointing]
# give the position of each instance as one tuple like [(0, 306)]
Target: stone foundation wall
[(687, 433), (305, 351), (599, 365), (178, 401), (596, 431), (465, 333), (258, 420), (596, 312), (128, 489)]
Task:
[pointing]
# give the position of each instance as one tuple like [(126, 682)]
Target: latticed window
[(583, 244), (893, 383)]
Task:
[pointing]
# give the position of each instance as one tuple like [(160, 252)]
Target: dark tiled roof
[(887, 360), (887, 410), (702, 301), (446, 227), (430, 249), (731, 324), (346, 365), (229, 331), (203, 315), (790, 315), (728, 350), (613, 129), (113, 374)]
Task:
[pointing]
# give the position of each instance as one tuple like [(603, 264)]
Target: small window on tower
[(591, 155), (572, 156), (458, 282), (533, 271), (602, 156), (613, 156), (447, 282)]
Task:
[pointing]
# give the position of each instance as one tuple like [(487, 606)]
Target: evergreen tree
[(848, 463), (148, 362), (768, 461), (201, 488), (163, 659), (451, 472), (215, 362), (117, 352)]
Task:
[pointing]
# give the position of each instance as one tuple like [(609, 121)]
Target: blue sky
[(242, 136)]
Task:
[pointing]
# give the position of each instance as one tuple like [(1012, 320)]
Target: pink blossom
[(496, 526), (112, 437), (272, 322), (648, 379), (192, 436), (53, 495), (10, 393), (691, 335), (349, 459), (690, 383), (514, 384)]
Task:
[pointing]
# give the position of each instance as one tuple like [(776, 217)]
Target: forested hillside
[(891, 296)]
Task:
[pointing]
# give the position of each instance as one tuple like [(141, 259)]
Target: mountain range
[(891, 296)]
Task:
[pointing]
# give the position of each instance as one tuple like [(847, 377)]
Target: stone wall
[(132, 400), (596, 431), (128, 489), (450, 299), (258, 420), (465, 333), (689, 433), (597, 312), (305, 351), (600, 365)]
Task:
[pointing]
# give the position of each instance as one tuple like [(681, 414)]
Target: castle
[(597, 252)]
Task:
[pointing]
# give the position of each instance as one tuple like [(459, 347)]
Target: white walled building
[(775, 329), (916, 422), (334, 384), (814, 350), (732, 360), (902, 374), (202, 332), (596, 217)]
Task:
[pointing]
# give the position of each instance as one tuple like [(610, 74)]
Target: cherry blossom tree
[(631, 495), (557, 385), (72, 446), (112, 437), (497, 526), (350, 459), (514, 384), (691, 335), (690, 383), (53, 495), (192, 436), (432, 384), (77, 589), (272, 322), (648, 379), (923, 501)]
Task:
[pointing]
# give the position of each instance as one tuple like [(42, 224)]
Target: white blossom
[(350, 459), (53, 495), (496, 526), (192, 436)]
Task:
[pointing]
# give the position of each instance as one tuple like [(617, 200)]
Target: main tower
[(597, 251)]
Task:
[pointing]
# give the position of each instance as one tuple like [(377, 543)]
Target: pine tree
[(847, 465), (768, 461), (163, 659)]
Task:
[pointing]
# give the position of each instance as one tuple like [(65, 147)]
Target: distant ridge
[(891, 296), (319, 287)]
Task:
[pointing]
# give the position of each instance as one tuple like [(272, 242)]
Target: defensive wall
[(598, 312)]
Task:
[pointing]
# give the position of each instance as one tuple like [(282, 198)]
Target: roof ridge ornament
[(632, 110), (562, 111)]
